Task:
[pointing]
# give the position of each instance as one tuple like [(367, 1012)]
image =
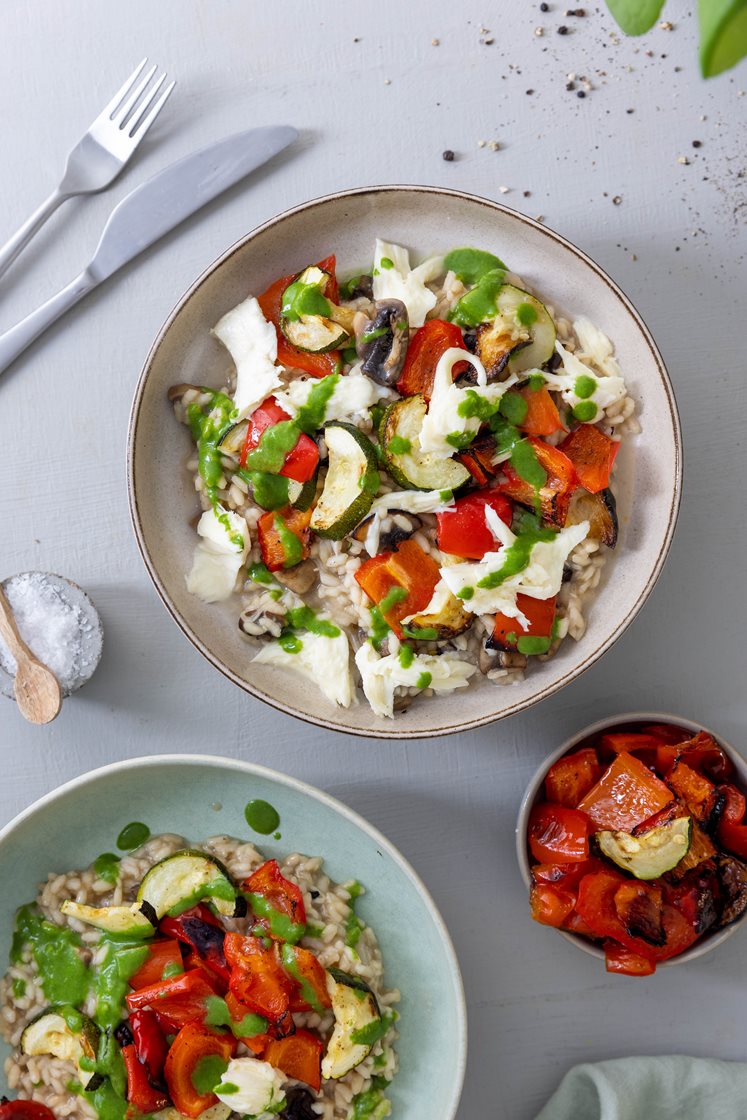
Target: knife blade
[(148, 213)]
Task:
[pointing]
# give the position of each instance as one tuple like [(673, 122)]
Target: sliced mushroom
[(359, 287), (487, 659), (382, 343), (512, 660), (300, 578)]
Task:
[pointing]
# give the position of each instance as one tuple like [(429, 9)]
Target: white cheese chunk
[(352, 395), (540, 579), (253, 344), (444, 418), (219, 556), (255, 1088), (380, 676), (607, 388), (393, 279), (325, 661), (596, 345)]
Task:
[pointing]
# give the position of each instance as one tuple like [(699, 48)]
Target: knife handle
[(15, 341)]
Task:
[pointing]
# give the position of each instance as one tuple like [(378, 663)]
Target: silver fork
[(100, 155)]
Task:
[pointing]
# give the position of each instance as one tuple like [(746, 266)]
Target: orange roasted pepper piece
[(626, 795)]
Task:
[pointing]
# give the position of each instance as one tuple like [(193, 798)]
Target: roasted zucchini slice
[(600, 510), (355, 1009), (126, 921), (523, 311), (350, 485), (496, 342), (307, 316), (184, 879), (232, 440), (64, 1033), (651, 854), (451, 619), (411, 468)]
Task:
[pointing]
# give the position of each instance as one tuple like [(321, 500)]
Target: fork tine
[(127, 106), (144, 106), (142, 124), (110, 109)]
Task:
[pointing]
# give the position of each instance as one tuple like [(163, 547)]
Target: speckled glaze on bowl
[(708, 942), (198, 796), (428, 220)]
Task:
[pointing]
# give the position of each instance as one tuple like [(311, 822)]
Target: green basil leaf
[(637, 16), (723, 34)]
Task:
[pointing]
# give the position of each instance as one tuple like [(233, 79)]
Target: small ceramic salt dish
[(60, 625)]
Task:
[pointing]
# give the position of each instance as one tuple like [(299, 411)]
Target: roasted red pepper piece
[(571, 777), (542, 418), (549, 905), (593, 455), (193, 1043), (540, 616), (625, 796), (275, 553), (150, 1041), (638, 905), (257, 980), (565, 876), (318, 365), (201, 930), (238, 1012), (555, 495), (697, 896), (142, 1097), (696, 791), (619, 959), (301, 462), (478, 459), (462, 529), (163, 955), (558, 835), (622, 741), (176, 1001), (276, 902), (408, 569), (596, 906), (308, 977), (702, 753), (731, 830), (20, 1109), (299, 1056), (426, 346)]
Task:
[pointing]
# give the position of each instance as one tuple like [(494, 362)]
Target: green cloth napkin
[(670, 1088)]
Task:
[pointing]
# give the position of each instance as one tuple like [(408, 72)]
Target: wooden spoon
[(37, 689)]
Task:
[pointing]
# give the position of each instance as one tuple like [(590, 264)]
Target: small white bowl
[(709, 941)]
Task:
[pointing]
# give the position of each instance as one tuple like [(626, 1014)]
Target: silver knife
[(149, 212)]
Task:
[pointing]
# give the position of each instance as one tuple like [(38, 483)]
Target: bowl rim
[(394, 731), (221, 762), (535, 784)]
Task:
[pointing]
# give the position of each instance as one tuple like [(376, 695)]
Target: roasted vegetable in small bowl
[(632, 840)]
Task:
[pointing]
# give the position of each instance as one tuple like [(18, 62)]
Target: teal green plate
[(177, 793)]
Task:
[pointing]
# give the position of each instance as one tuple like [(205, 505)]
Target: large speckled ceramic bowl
[(627, 719), (427, 220), (200, 796)]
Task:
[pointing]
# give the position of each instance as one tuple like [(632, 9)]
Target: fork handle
[(15, 341), (31, 226)]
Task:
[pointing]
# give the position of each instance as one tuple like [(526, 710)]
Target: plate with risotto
[(161, 972), (406, 458)]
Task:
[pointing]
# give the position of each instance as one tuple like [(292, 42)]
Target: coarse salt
[(56, 630)]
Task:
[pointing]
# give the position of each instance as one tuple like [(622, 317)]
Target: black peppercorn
[(562, 30), (448, 155)]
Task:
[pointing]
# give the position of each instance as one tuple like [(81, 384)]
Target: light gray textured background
[(376, 103)]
